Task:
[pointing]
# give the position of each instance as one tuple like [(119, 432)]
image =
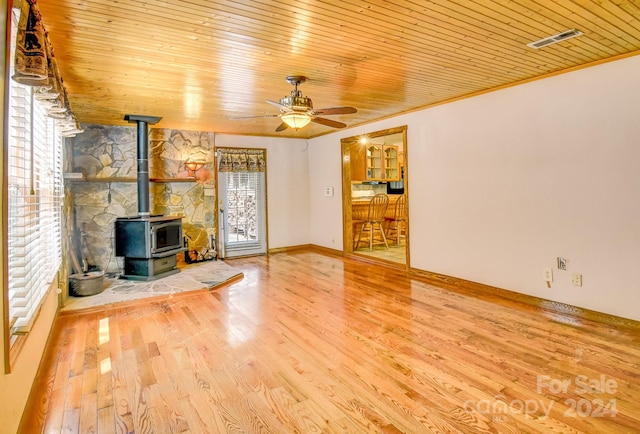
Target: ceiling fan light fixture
[(297, 102), (296, 120), (296, 110)]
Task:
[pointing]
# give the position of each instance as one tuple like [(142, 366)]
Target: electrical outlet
[(548, 275), (328, 192), (576, 279)]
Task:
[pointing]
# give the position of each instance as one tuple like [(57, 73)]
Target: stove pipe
[(143, 160)]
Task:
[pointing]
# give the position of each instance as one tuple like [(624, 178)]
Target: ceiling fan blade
[(238, 118), (328, 122), (280, 106), (282, 127), (335, 111)]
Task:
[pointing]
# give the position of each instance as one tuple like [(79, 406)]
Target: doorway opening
[(374, 165)]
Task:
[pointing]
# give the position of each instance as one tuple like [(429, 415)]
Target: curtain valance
[(241, 160), (35, 65)]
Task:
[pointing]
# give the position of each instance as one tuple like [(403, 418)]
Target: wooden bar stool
[(375, 218), (397, 225)]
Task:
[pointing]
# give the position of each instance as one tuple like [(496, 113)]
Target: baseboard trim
[(290, 248), (328, 251), (315, 247), (488, 292)]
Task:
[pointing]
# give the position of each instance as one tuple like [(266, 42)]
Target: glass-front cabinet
[(382, 163), (391, 163), (374, 162)]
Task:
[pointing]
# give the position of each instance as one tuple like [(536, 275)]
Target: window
[(33, 196)]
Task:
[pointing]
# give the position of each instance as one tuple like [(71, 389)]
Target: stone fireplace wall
[(106, 158)]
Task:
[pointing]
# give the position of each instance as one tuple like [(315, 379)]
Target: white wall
[(502, 184), (16, 386), (287, 186)]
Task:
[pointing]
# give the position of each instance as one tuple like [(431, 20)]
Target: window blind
[(244, 209), (245, 213), (34, 192)]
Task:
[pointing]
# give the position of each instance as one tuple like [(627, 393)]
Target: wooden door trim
[(345, 146)]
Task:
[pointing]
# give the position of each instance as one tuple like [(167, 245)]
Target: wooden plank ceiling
[(198, 63)]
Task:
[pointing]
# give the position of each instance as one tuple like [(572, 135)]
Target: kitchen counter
[(360, 207)]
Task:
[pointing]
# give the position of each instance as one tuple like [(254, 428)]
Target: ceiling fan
[(296, 111)]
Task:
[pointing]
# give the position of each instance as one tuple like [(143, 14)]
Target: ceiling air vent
[(555, 38)]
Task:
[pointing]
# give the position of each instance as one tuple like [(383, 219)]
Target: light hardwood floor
[(393, 254), (308, 342)]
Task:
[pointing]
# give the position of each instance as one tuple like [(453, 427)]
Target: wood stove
[(148, 243)]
